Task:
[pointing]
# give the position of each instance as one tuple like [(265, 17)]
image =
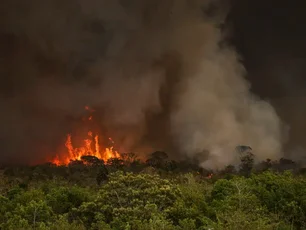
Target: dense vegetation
[(158, 194)]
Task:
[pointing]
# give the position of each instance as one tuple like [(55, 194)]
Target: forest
[(157, 194)]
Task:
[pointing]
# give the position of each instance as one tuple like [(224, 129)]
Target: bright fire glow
[(91, 146)]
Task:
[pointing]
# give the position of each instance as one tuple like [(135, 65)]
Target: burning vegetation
[(91, 146)]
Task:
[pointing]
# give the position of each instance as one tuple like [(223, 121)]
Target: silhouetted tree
[(264, 165), (285, 164), (128, 158), (157, 159), (102, 174), (75, 163), (247, 160), (115, 163), (171, 166), (228, 171), (92, 160)]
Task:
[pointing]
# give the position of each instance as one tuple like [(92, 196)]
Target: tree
[(228, 172), (191, 209), (62, 223), (241, 149), (129, 199), (157, 159), (247, 162), (115, 164), (63, 198), (264, 165), (129, 158), (102, 174), (151, 199), (285, 164), (237, 207), (283, 194), (92, 160)]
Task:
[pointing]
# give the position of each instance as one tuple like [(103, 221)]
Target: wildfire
[(91, 146)]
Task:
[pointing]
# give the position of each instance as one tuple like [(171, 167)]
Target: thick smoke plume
[(157, 71)]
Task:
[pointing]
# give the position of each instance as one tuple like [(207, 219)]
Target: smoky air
[(158, 74)]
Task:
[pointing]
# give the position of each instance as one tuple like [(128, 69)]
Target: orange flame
[(90, 147)]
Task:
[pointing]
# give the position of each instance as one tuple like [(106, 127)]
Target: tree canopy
[(158, 194)]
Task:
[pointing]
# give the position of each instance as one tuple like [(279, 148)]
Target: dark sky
[(269, 35)]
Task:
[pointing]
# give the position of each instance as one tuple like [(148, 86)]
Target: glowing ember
[(91, 146), (209, 176)]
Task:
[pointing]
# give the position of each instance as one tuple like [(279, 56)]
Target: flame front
[(90, 146)]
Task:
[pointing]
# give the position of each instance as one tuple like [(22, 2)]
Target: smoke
[(216, 111), (157, 71)]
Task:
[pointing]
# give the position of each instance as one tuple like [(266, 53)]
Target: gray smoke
[(157, 71)]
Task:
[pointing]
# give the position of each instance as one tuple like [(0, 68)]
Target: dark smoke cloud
[(271, 38), (157, 72)]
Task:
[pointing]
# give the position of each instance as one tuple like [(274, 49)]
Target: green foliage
[(192, 204), (127, 198), (157, 198), (63, 223), (282, 194), (63, 199), (237, 207)]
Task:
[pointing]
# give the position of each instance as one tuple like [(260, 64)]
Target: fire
[(91, 146), (209, 176)]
